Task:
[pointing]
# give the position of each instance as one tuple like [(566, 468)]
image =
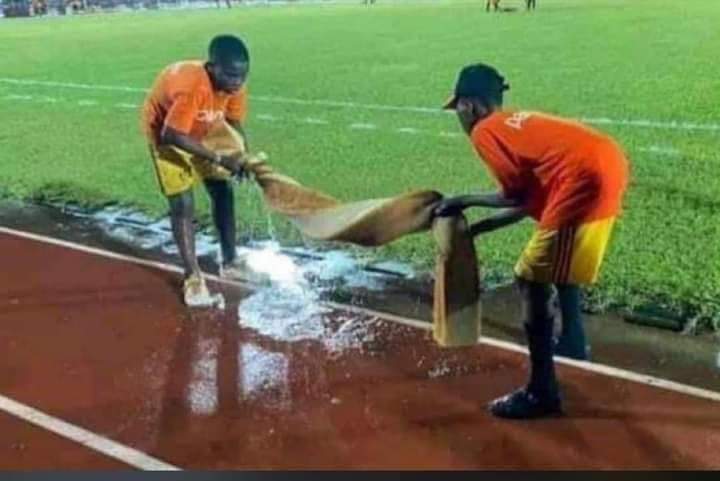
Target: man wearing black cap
[(567, 177)]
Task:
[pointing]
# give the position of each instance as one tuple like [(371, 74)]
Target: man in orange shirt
[(570, 179), (186, 99)]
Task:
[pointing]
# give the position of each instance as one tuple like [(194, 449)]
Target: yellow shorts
[(570, 255), (178, 171)]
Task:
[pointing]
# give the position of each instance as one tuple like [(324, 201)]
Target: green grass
[(645, 59)]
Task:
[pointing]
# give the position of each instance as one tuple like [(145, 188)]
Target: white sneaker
[(237, 269), (240, 271), (196, 293)]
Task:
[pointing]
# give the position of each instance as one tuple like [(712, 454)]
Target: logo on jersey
[(210, 116), (517, 120)]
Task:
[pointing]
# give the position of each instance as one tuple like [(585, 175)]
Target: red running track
[(107, 345)]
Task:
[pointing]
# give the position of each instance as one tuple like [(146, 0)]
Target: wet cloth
[(374, 222)]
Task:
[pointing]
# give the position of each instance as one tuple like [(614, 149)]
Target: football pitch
[(347, 98)]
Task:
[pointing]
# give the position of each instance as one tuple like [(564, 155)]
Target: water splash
[(255, 192), (269, 261)]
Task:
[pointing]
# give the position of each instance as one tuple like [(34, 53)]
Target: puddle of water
[(203, 388), (262, 373), (290, 308), (341, 267), (284, 312), (287, 306), (136, 229), (336, 267)]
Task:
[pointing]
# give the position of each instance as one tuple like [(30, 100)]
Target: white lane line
[(127, 106), (609, 371), (510, 346), (639, 123), (95, 442), (87, 103)]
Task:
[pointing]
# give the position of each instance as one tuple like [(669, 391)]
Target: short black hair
[(227, 48)]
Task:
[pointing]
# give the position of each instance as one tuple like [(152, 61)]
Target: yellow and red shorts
[(569, 255), (178, 171)]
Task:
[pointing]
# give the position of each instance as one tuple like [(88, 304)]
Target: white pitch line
[(362, 126), (450, 134), (95, 442), (656, 149), (347, 104), (18, 97), (313, 120), (71, 85), (408, 130), (603, 369), (640, 123), (653, 124), (355, 126), (668, 151)]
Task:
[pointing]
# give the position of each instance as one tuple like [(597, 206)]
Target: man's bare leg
[(182, 211)]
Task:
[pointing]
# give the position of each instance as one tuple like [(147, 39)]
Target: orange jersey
[(563, 171), (182, 98)]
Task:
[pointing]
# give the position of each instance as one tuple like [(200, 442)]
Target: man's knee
[(219, 190), (537, 297), (181, 205), (569, 294)]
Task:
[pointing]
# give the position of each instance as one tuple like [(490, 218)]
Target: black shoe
[(522, 404)]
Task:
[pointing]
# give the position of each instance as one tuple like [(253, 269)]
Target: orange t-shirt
[(563, 171), (182, 98)]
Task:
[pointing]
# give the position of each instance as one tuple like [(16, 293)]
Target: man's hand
[(450, 207), (235, 163)]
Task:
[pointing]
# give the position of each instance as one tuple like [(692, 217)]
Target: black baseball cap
[(477, 80)]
